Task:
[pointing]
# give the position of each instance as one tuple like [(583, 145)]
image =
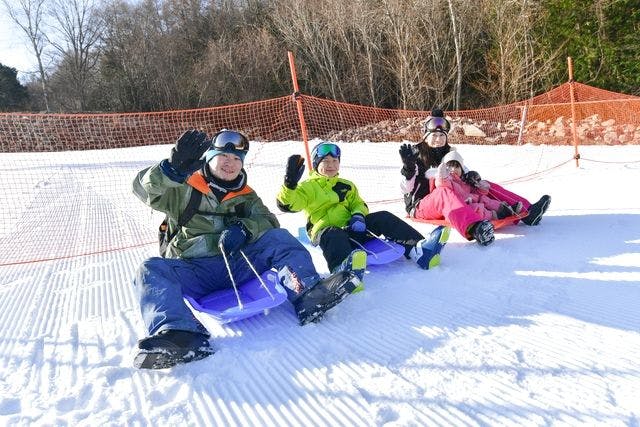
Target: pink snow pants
[(504, 195), (443, 202)]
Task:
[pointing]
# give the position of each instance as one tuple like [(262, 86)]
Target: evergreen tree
[(13, 96), (602, 38)]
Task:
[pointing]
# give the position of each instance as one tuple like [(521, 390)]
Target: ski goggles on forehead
[(437, 124), (230, 140), (327, 149)]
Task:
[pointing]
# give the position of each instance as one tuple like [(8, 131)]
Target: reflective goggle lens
[(327, 149), (230, 140), (435, 124)]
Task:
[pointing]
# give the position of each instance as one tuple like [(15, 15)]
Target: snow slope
[(542, 327)]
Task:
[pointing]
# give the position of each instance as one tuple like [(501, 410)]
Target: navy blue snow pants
[(160, 283)]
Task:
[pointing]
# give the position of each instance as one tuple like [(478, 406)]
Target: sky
[(13, 47), (540, 328)]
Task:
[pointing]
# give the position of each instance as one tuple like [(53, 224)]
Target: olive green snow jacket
[(199, 236)]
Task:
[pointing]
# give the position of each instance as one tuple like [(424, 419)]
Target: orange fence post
[(296, 96), (573, 112)]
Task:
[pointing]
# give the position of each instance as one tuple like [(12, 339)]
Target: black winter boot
[(536, 210), (482, 231), (170, 347), (328, 292), (517, 207)]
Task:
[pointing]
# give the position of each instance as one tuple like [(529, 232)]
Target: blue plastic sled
[(223, 305), (379, 251), (382, 251)]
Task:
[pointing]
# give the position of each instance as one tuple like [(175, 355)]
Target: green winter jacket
[(327, 202), (199, 236)]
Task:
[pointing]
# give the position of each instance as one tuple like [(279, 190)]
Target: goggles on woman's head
[(229, 140), (437, 124), (326, 149)]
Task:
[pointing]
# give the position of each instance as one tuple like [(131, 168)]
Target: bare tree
[(515, 64), (405, 57), (367, 29), (303, 25), (251, 67), (79, 24), (458, 47), (29, 15)]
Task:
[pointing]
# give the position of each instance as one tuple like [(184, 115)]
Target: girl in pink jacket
[(475, 193)]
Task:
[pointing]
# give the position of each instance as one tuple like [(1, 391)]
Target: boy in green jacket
[(337, 215)]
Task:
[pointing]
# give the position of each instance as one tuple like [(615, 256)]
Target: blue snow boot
[(171, 347), (356, 262), (311, 305), (426, 253)]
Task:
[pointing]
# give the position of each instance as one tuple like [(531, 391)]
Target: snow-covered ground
[(540, 328)]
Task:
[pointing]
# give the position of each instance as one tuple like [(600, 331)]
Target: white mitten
[(442, 172)]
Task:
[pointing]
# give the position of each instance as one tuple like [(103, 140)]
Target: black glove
[(472, 178), (408, 157), (357, 224), (233, 238), (185, 155), (295, 169)]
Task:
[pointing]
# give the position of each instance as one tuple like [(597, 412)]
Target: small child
[(337, 216), (472, 189)]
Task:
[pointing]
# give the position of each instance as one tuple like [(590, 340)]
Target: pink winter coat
[(476, 198)]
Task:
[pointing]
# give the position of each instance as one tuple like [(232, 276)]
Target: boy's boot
[(426, 253), (482, 231), (536, 210), (170, 347), (311, 305), (355, 262)]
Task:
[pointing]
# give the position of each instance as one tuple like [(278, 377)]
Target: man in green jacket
[(229, 217)]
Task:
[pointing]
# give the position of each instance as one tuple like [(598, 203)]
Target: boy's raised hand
[(295, 169), (185, 155)]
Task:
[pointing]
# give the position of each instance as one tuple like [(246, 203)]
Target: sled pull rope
[(233, 281), (264, 285), (361, 246), (382, 240)]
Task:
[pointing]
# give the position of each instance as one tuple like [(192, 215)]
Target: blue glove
[(357, 223), (233, 238)]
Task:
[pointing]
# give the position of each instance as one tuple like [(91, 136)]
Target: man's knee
[(278, 235)]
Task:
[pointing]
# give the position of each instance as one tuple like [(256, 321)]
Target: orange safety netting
[(67, 176), (543, 119)]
